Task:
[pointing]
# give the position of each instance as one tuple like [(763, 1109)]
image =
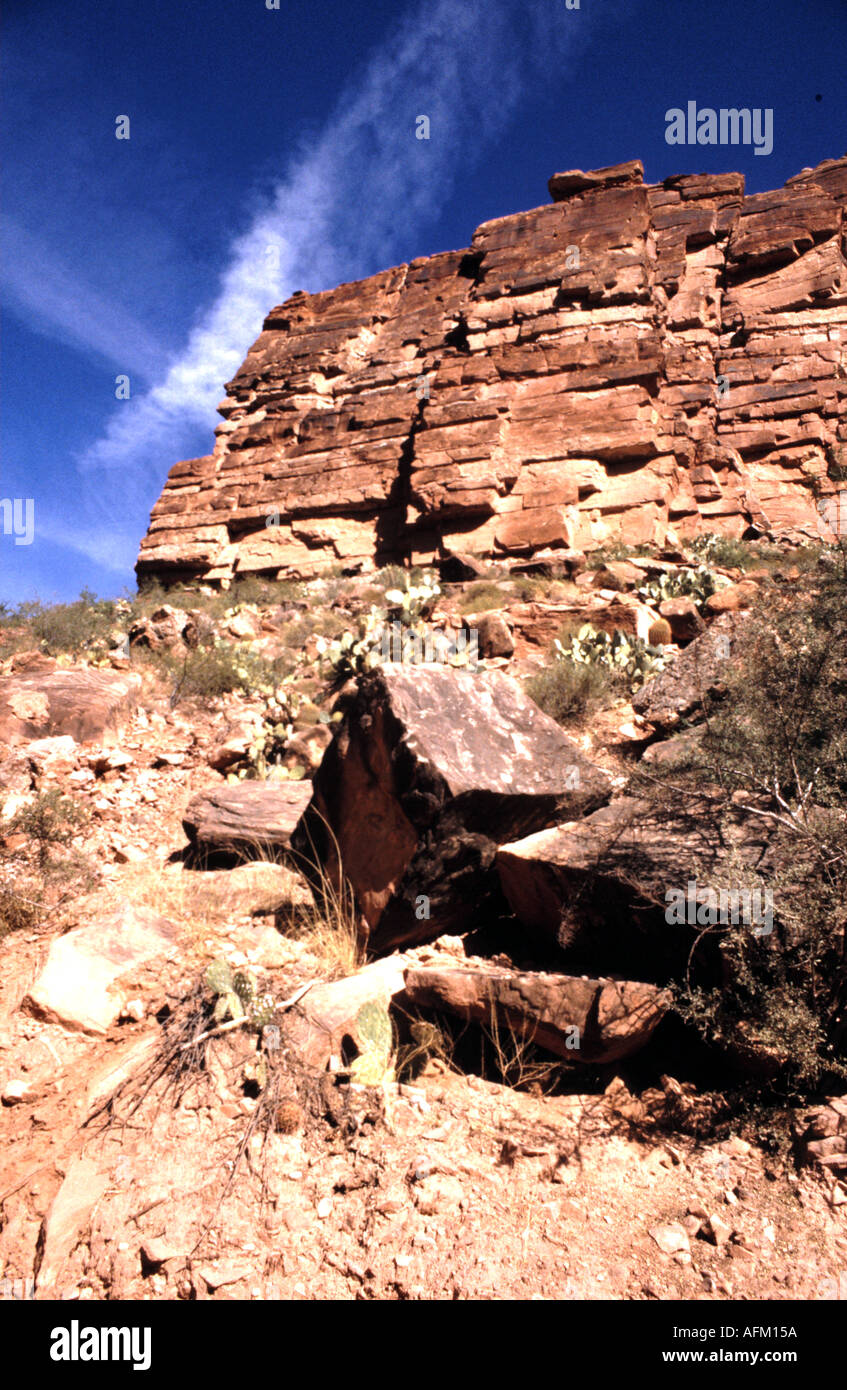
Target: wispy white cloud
[(52, 299), (357, 198)]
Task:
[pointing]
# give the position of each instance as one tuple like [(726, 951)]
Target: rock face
[(625, 361), (431, 770)]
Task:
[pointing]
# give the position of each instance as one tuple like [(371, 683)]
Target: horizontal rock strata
[(626, 361)]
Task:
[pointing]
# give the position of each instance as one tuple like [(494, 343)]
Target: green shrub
[(217, 668), (70, 629), (50, 820), (483, 597), (777, 746), (565, 690)]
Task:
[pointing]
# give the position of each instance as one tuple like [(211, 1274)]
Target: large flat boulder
[(43, 700), (582, 1020), (246, 818), (89, 971), (613, 890), (431, 770)]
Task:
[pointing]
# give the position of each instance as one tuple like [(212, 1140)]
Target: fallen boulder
[(697, 674), (90, 970), (621, 890), (431, 770), (582, 1020), (43, 700), (247, 818)]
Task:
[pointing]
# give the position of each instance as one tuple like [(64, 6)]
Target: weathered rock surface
[(627, 361), (697, 673), (88, 970), (246, 817), (432, 768), (601, 887), (41, 699), (582, 1020)]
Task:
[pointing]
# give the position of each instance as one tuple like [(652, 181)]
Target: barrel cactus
[(659, 633)]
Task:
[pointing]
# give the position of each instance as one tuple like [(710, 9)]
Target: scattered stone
[(716, 1230), (671, 1238), (19, 1092)]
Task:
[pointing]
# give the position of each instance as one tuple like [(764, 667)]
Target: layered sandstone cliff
[(628, 362)]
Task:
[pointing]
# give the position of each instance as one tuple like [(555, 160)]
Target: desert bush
[(20, 908), (49, 821), (216, 668), (70, 629), (722, 550), (48, 870), (484, 597), (776, 747), (566, 691)]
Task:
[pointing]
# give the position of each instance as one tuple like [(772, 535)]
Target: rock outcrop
[(432, 768), (627, 361)]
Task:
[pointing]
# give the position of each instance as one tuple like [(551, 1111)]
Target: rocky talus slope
[(536, 1121), (629, 360)]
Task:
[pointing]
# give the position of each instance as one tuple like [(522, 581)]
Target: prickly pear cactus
[(228, 1006), (370, 1069), (376, 1039), (261, 1010), (219, 977), (244, 984), (238, 996), (373, 1025)]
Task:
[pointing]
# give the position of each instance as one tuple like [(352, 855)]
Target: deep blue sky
[(295, 128)]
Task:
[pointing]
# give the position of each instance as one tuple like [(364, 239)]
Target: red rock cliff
[(627, 361)]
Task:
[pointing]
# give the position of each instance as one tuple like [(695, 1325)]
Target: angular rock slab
[(431, 770), (245, 817), (599, 888), (581, 1020), (698, 672), (327, 1015), (44, 700), (79, 985), (68, 1219)]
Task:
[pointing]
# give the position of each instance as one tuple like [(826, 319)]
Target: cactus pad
[(373, 1025)]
